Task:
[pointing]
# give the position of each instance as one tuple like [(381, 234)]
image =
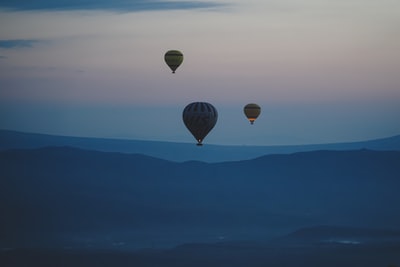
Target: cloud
[(117, 5), (18, 43)]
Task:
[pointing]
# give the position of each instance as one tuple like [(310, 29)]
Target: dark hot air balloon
[(174, 59), (252, 111), (200, 118)]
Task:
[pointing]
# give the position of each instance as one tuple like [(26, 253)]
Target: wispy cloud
[(117, 5), (19, 43)]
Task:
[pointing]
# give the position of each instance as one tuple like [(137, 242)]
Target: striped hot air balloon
[(252, 111), (174, 59), (200, 118)]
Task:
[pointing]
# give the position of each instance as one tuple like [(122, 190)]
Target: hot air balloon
[(174, 59), (252, 111), (200, 118)]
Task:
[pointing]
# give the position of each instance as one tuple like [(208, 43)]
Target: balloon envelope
[(200, 118), (174, 59), (252, 111)]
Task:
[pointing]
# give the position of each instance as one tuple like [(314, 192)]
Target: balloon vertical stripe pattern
[(174, 59), (200, 118)]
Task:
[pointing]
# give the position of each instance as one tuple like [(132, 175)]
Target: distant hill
[(180, 151), (74, 196)]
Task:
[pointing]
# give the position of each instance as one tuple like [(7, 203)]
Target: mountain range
[(58, 193), (68, 201), (181, 151)]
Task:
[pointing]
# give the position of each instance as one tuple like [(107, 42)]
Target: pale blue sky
[(322, 71)]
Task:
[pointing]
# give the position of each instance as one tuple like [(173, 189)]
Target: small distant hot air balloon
[(174, 59), (252, 111), (200, 118)]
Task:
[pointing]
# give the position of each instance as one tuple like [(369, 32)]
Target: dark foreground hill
[(180, 151), (67, 197), (304, 248)]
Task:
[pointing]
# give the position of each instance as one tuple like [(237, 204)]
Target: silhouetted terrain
[(72, 197), (303, 248), (63, 206), (180, 151)]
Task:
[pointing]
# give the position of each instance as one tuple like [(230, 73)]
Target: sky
[(322, 71)]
